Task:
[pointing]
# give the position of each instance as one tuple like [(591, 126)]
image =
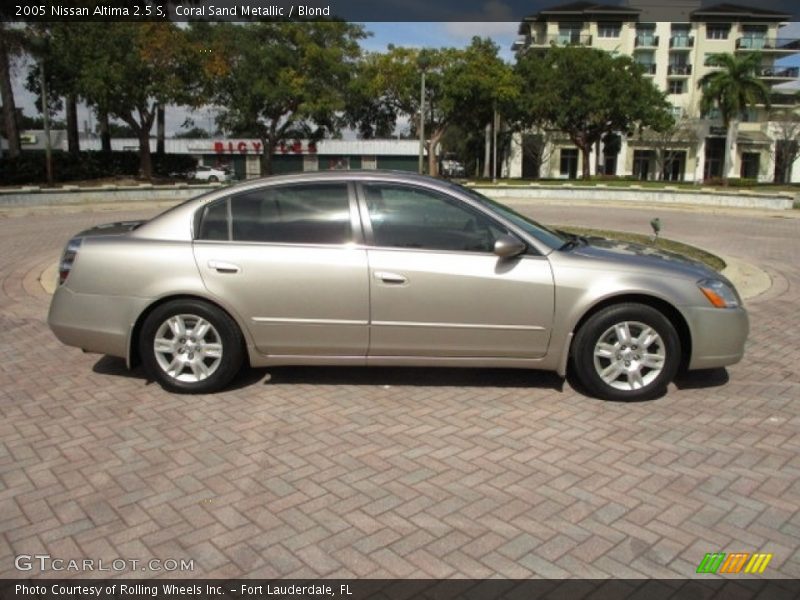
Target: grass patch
[(713, 261), (734, 185)]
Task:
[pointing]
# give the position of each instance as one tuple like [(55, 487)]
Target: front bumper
[(718, 336), (93, 322)]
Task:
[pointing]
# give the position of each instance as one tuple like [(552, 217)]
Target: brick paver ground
[(313, 472)]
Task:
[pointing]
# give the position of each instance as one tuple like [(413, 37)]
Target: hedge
[(29, 167)]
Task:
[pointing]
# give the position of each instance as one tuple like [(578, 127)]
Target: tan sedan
[(376, 268)]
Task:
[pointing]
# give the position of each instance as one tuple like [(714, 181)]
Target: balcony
[(684, 42), (648, 68), (783, 100), (679, 70), (561, 39), (778, 73), (646, 40), (760, 44)]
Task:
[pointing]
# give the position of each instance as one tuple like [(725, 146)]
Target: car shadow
[(705, 378), (576, 385), (414, 376), (399, 376)]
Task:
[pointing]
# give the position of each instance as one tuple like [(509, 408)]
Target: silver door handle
[(223, 267), (387, 277)]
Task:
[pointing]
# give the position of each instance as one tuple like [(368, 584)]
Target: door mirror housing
[(508, 246)]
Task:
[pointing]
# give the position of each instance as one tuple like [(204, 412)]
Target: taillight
[(68, 259)]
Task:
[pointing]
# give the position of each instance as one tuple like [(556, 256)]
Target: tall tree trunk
[(433, 157), (160, 129), (145, 160), (268, 148), (73, 144), (730, 140), (105, 130), (487, 151), (586, 150), (7, 96)]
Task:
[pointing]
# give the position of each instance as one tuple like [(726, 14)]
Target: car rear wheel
[(626, 352), (190, 346), (213, 179)]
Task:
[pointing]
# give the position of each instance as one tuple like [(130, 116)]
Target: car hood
[(641, 256), (117, 228)]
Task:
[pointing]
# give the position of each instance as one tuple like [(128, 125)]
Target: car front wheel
[(626, 352), (190, 346)]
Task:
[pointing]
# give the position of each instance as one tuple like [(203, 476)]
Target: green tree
[(129, 69), (279, 81), (587, 93), (58, 46), (732, 90), (786, 127), (461, 86), (379, 92), (193, 133), (10, 45)]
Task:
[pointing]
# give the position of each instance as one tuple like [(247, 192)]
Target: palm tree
[(732, 89)]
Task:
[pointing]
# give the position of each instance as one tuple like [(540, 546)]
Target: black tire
[(223, 331), (213, 179), (626, 358)]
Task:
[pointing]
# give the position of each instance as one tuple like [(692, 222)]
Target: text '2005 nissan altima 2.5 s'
[(375, 268)]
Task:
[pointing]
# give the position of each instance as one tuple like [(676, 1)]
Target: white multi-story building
[(674, 55)]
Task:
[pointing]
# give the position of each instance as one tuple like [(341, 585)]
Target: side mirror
[(507, 246)]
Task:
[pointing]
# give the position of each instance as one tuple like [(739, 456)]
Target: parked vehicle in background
[(452, 167), (382, 268), (210, 174)]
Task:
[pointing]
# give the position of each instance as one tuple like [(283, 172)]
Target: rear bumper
[(92, 322), (718, 336)]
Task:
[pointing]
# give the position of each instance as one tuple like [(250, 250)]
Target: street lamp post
[(494, 145)]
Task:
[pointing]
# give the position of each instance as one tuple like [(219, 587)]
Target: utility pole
[(48, 150), (422, 124), (494, 145)]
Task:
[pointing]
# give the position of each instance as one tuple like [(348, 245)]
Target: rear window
[(293, 214)]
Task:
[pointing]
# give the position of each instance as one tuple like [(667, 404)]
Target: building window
[(569, 162), (750, 164), (609, 29), (676, 86), (647, 60), (749, 115), (569, 33), (718, 31), (339, 164), (310, 162), (369, 162), (641, 163)]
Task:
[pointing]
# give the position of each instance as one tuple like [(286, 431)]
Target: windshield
[(547, 236)]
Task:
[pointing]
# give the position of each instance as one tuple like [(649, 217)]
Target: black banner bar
[(349, 10), (740, 588)]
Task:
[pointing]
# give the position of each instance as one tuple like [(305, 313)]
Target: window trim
[(367, 221), (356, 229), (718, 27), (606, 26)]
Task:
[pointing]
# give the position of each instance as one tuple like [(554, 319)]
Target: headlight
[(720, 294)]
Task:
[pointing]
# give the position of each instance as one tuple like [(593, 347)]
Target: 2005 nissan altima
[(377, 268)]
